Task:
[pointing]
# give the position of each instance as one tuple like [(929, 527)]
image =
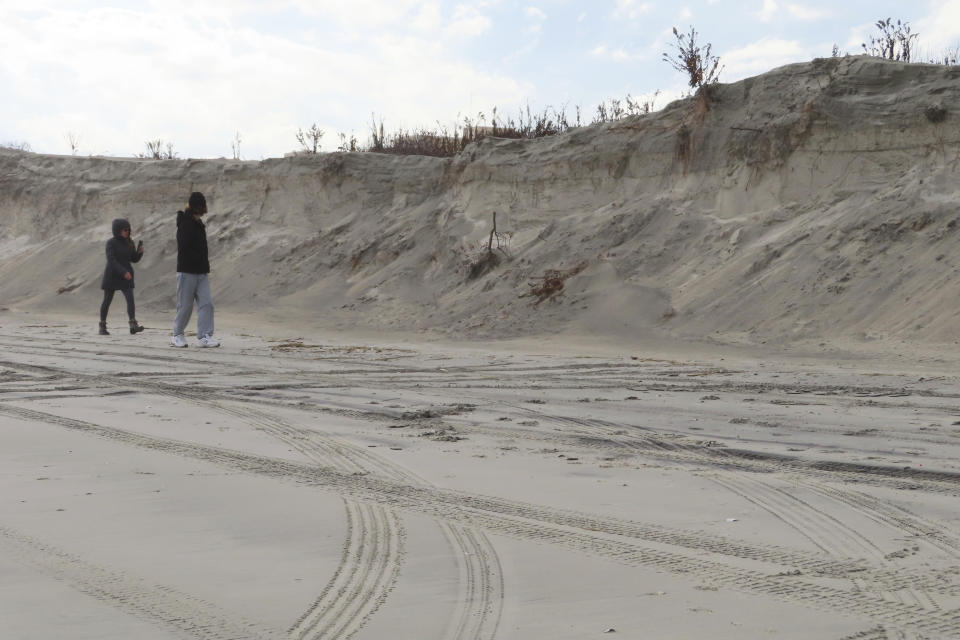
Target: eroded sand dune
[(818, 200)]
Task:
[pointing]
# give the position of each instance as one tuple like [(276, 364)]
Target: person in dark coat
[(118, 274), (193, 274)]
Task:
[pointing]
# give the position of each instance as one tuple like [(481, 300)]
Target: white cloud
[(804, 13), (467, 22), (772, 9), (536, 17), (939, 29), (119, 77), (535, 13), (618, 54), (761, 56), (859, 35), (429, 18), (768, 10), (362, 15), (631, 9)]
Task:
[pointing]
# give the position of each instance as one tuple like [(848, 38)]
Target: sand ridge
[(813, 202)]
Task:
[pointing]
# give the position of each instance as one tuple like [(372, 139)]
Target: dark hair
[(197, 203)]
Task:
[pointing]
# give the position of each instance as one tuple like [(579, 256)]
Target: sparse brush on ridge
[(528, 124), (894, 42), (17, 146), (158, 150), (615, 109), (444, 142), (73, 139), (310, 139), (235, 145), (696, 61), (950, 58), (348, 144)]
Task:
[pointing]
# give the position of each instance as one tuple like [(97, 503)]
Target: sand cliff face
[(820, 199)]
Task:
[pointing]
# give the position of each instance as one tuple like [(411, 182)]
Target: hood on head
[(197, 203), (119, 225)]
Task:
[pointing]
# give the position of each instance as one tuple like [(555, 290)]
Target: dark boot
[(134, 327), (103, 329)]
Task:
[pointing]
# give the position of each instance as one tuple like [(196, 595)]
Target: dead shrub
[(696, 61), (446, 142), (895, 41), (158, 150), (486, 258), (310, 139), (482, 264), (551, 284)]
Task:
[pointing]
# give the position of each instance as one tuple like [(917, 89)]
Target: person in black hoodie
[(193, 269), (118, 274)]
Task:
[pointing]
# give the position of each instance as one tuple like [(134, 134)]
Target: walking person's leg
[(131, 307), (105, 305), (104, 309), (204, 307), (186, 293), (132, 311), (205, 313)]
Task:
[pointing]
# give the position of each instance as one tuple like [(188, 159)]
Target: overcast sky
[(195, 73)]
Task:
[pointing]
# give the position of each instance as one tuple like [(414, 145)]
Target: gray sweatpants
[(194, 287)]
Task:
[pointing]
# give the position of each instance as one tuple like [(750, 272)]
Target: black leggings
[(108, 298)]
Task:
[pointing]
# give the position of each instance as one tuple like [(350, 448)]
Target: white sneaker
[(178, 341), (207, 341)]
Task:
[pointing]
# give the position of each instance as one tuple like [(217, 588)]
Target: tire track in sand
[(481, 578), (369, 567), (828, 532), (479, 611), (825, 530), (156, 604), (374, 547), (528, 522)]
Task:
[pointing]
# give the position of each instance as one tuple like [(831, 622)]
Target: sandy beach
[(308, 485), (700, 382)]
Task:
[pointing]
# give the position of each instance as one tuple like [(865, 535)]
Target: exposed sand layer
[(297, 484)]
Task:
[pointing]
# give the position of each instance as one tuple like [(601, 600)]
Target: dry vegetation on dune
[(893, 40), (448, 142)]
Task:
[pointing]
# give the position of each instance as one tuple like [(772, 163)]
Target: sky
[(103, 78)]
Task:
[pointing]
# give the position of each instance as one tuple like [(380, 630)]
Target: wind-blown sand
[(730, 423)]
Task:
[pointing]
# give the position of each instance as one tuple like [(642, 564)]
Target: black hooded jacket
[(121, 253), (191, 244)]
